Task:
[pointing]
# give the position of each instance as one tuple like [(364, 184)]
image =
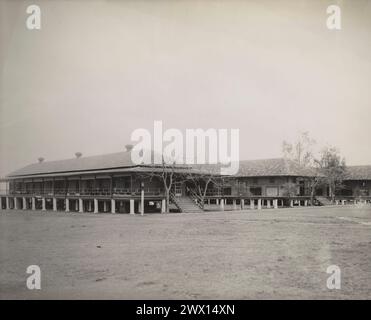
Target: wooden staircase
[(324, 201), (186, 204)]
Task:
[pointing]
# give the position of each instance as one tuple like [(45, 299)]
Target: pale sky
[(97, 70)]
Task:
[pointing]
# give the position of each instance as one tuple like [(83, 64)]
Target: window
[(227, 191), (271, 191), (271, 180)]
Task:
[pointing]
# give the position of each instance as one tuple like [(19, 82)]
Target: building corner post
[(132, 206), (67, 205), (95, 205), (163, 206), (113, 206), (81, 205), (222, 204), (33, 203), (259, 204)]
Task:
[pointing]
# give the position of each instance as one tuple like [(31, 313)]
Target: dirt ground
[(268, 254)]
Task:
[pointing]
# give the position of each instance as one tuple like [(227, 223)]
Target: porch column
[(15, 204), (54, 204), (142, 201), (242, 202), (275, 203), (104, 206), (268, 204), (139, 207), (89, 205), (343, 202), (43, 208), (234, 204), (299, 203), (163, 206), (259, 204), (305, 203), (222, 204), (76, 205), (217, 202), (113, 206), (24, 203), (7, 203), (95, 205), (337, 202), (252, 204), (291, 203), (33, 203), (81, 205), (67, 201), (132, 206)]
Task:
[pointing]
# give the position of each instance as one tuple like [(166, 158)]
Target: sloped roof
[(122, 160), (260, 168), (272, 167), (254, 168), (106, 161), (358, 173)]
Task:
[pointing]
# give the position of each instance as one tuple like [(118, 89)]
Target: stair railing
[(173, 200), (195, 197)]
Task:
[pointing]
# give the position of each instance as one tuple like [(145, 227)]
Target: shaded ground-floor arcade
[(154, 205), (92, 205)]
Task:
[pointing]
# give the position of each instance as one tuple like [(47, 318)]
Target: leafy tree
[(326, 168), (332, 169), (289, 189)]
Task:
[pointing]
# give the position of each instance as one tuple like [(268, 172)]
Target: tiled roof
[(106, 161), (262, 167), (122, 161), (358, 173), (110, 163), (272, 167)]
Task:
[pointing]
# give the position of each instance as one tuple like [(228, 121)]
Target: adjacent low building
[(357, 184)]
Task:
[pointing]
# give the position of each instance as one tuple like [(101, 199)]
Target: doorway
[(178, 189)]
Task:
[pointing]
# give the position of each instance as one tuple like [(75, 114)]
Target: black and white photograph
[(187, 150)]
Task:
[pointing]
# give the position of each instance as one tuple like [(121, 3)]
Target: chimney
[(78, 155), (129, 147), (41, 159)]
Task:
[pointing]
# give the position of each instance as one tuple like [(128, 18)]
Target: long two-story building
[(113, 183)]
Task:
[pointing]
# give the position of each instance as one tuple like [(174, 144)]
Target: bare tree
[(168, 174), (202, 179), (316, 180), (301, 151)]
